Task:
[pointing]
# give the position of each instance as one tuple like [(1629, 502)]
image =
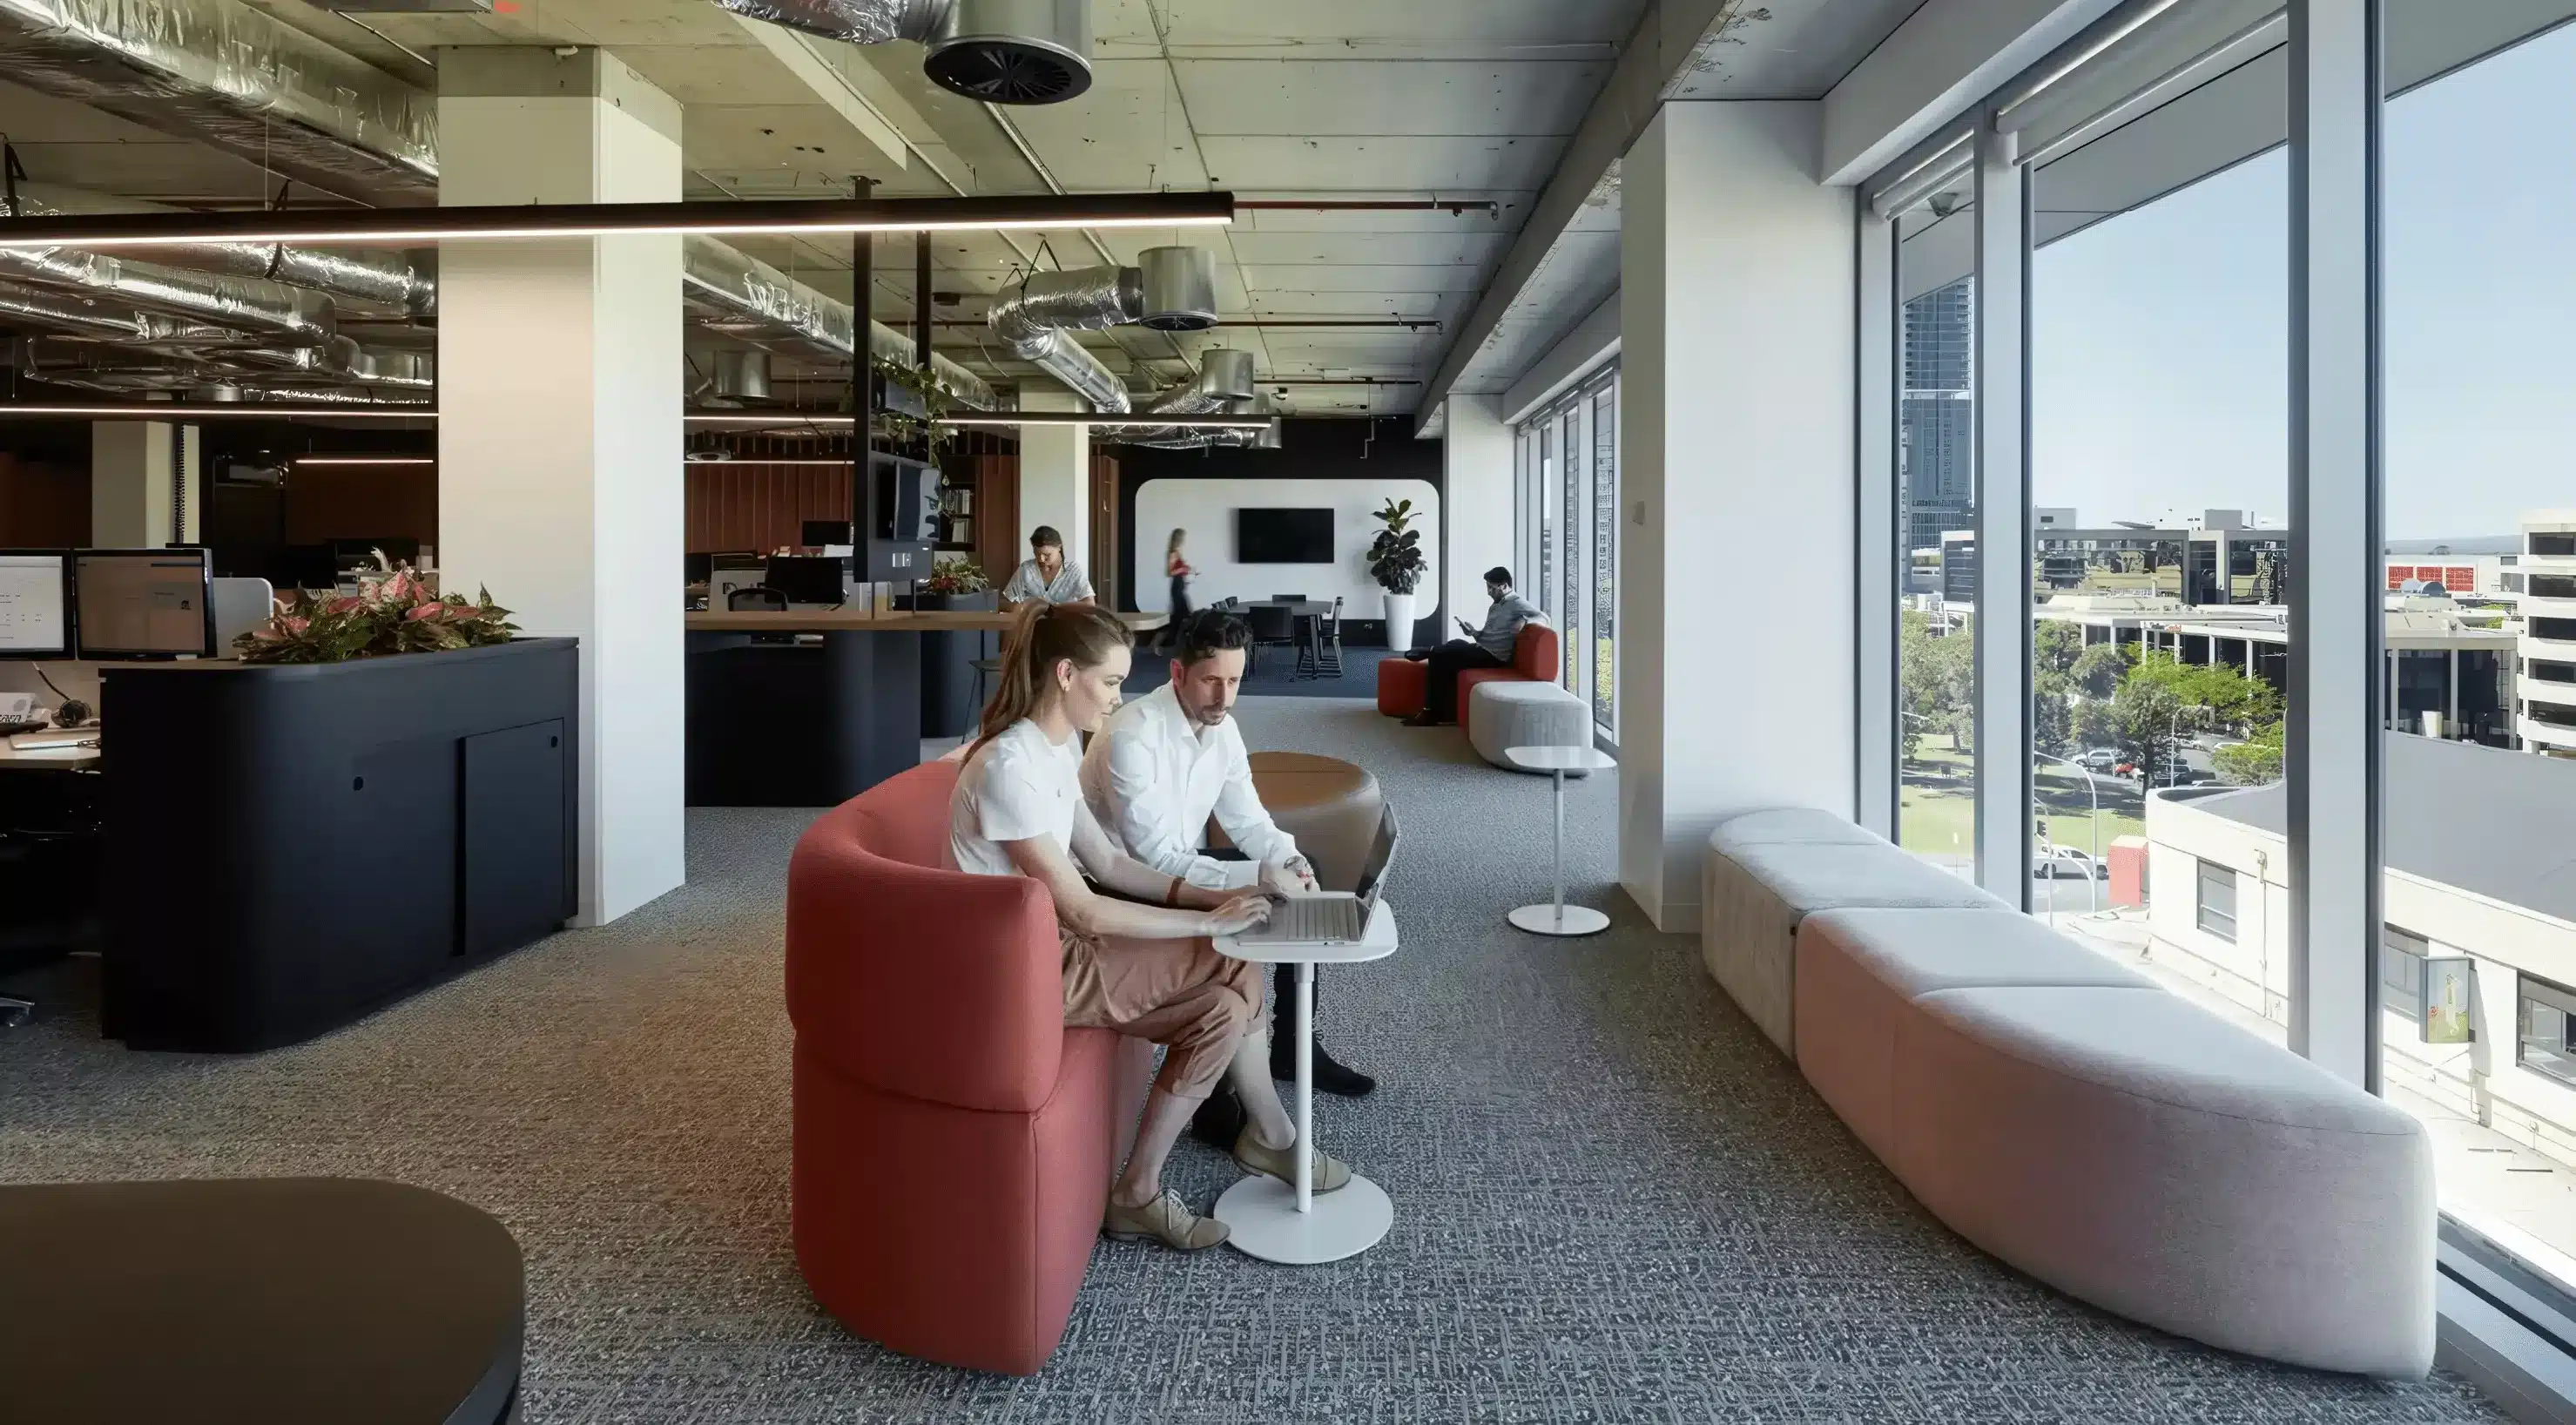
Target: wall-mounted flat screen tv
[(1283, 536)]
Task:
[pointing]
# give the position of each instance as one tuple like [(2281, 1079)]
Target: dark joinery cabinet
[(289, 848)]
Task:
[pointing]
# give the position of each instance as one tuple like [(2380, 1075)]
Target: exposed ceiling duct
[(223, 72), (999, 51), (286, 314), (383, 283), (1172, 290), (1224, 380), (740, 296)]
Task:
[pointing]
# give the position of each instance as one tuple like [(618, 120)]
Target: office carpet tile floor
[(1615, 1201)]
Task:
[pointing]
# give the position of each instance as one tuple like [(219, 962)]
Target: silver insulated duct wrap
[(223, 72), (1173, 291), (1034, 317), (998, 51), (386, 283), (860, 22), (1224, 383), (245, 304), (740, 296)]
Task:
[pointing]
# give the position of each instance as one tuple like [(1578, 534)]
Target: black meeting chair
[(1272, 626), (1319, 654), (1287, 598), (756, 598)]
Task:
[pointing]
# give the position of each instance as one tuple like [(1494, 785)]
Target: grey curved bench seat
[(2081, 1123), (1767, 870)]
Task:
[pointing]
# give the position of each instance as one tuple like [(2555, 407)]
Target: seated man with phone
[(1167, 762)]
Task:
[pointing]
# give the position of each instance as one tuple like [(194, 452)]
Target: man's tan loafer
[(1166, 1220), (1328, 1173)]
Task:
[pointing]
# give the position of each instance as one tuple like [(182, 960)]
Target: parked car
[(2097, 759), (2064, 863)]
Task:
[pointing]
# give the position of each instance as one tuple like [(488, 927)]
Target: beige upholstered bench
[(1767, 870), (2108, 1137)]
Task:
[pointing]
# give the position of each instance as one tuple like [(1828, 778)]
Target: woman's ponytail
[(1042, 636)]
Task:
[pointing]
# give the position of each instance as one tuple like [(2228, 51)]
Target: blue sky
[(2159, 345)]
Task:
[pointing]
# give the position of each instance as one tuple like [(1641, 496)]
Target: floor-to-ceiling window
[(1569, 472), (2478, 957), (2159, 491), (1936, 513), (2172, 285)]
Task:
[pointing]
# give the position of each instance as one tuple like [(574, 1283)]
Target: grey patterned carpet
[(1614, 1201)]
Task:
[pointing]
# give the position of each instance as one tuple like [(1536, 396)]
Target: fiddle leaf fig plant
[(1395, 556)]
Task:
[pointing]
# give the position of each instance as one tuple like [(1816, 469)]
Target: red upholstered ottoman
[(1402, 684)]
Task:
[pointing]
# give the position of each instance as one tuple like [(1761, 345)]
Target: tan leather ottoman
[(1329, 805)]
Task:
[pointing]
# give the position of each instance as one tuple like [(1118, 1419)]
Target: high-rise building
[(1937, 414)]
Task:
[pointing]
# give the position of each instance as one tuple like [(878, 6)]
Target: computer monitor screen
[(35, 604), (698, 568), (142, 603), (819, 533), (806, 580)]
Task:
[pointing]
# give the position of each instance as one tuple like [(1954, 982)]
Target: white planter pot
[(1399, 621)]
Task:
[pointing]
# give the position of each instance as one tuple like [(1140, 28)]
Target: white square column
[(1055, 480), (560, 398), (1736, 629), (1476, 507)]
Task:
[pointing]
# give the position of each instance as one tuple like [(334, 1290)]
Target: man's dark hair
[(1210, 632), (1045, 537), (1498, 575)]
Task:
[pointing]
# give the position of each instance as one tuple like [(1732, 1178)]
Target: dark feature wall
[(1313, 448)]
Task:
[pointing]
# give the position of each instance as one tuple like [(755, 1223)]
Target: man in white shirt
[(1155, 773), (1046, 574)]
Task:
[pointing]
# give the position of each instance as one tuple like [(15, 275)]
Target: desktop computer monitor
[(806, 580), (697, 568), (821, 533), (143, 603), (35, 603)]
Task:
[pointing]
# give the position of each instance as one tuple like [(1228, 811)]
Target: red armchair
[(1402, 684), (953, 1141)]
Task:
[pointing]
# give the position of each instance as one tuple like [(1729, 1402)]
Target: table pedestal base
[(1560, 920), (1261, 1214)]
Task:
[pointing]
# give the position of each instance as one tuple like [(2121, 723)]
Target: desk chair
[(1273, 625), (985, 669), (1287, 598)]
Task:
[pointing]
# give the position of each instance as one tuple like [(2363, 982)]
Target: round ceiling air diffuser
[(1014, 51)]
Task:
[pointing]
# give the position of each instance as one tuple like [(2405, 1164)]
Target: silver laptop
[(1332, 917)]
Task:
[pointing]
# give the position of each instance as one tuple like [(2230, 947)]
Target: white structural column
[(560, 388), (1877, 553), (133, 466), (1476, 508), (2332, 737), (1736, 317), (2001, 381), (1055, 479)]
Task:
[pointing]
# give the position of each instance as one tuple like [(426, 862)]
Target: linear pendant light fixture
[(579, 220), (200, 410), (1135, 420)]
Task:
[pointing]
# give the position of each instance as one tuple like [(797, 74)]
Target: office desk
[(815, 724), (46, 759)]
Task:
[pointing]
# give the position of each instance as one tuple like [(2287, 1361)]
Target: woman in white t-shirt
[(1136, 960)]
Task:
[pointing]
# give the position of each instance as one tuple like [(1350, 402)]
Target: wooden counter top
[(865, 621)]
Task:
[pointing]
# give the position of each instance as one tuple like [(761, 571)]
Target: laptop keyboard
[(1314, 918)]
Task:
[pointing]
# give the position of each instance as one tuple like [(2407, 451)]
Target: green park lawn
[(1936, 815)]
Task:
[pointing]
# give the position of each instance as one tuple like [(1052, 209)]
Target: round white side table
[(1287, 1222), (1556, 917)]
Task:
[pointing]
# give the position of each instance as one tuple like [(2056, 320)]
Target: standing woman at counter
[(1137, 957), (1178, 569)]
